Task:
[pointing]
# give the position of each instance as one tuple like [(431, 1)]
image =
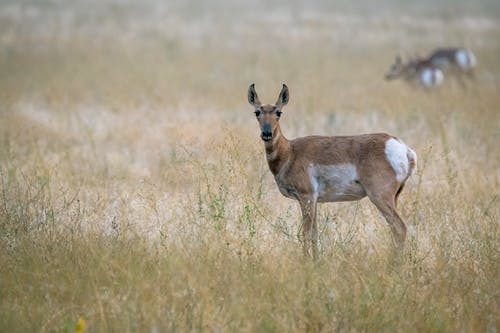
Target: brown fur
[(289, 161)]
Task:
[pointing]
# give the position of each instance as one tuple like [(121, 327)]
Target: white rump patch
[(472, 59), (465, 59), (431, 77), (462, 59), (397, 155)]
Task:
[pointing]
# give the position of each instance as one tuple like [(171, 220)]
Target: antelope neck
[(277, 151)]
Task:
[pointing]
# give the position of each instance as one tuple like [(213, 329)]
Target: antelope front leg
[(309, 227)]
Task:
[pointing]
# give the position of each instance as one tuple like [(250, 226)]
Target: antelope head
[(268, 115), (396, 70)]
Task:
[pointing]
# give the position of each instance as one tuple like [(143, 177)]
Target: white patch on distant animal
[(431, 77), (397, 155), (472, 59), (338, 182), (465, 59), (461, 58), (438, 77)]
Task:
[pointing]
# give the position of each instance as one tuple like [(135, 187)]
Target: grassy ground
[(135, 192)]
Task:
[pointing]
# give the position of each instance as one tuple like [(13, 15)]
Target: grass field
[(135, 192)]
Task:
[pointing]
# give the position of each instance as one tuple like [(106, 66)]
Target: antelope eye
[(278, 113), (257, 113)]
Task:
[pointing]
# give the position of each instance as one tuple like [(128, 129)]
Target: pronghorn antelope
[(422, 70), (460, 60), (316, 169)]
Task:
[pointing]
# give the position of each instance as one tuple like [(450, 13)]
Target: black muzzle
[(267, 133)]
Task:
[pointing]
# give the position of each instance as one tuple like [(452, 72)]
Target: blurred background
[(171, 51), (127, 145)]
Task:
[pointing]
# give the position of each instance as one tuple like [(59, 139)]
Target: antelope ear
[(253, 99), (283, 97)]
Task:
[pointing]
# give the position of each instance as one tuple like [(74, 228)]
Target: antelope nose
[(267, 133)]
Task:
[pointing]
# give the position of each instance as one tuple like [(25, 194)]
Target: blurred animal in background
[(417, 70), (430, 71), (454, 60)]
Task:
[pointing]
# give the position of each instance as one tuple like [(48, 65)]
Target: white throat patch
[(276, 138)]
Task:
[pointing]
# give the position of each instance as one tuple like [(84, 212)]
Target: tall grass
[(134, 191)]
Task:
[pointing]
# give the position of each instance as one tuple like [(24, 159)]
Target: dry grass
[(135, 192)]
